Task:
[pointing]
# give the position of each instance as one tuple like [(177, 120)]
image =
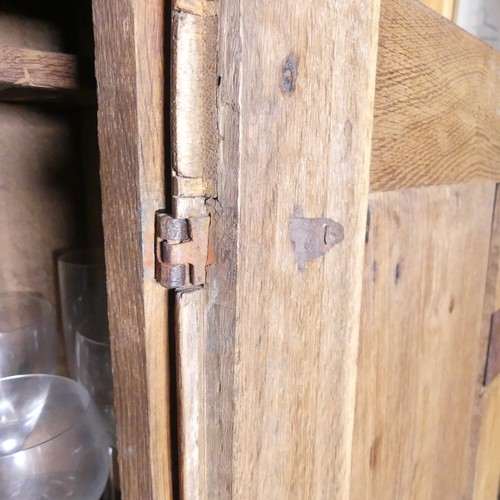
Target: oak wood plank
[(295, 114), (221, 277), (436, 102), (191, 382), (27, 74), (487, 467), (421, 346), (129, 69)]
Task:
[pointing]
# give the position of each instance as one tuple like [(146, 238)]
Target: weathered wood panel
[(195, 155), (487, 471), (436, 101), (129, 71), (295, 114), (421, 347)]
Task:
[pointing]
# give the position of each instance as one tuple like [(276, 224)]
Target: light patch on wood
[(194, 92), (197, 7)]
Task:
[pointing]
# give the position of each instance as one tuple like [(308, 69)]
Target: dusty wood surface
[(420, 344), (129, 71), (27, 74), (436, 118), (487, 471), (445, 7), (295, 114)]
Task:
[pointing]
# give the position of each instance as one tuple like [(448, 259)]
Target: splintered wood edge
[(436, 102), (26, 68), (197, 7)]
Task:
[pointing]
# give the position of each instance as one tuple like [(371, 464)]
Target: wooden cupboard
[(345, 156)]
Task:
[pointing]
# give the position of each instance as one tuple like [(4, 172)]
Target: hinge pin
[(181, 250)]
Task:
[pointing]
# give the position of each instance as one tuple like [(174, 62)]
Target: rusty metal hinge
[(182, 250)]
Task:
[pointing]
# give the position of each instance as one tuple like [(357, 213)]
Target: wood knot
[(289, 74)]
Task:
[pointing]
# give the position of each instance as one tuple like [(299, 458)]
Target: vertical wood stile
[(129, 70), (295, 117), (195, 144), (487, 437)]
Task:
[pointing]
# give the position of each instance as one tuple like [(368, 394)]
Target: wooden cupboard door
[(267, 372), (328, 354), (332, 354), (421, 354)]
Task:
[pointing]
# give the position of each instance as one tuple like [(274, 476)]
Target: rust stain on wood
[(289, 74), (313, 238)]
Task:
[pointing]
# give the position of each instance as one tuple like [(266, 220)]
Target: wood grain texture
[(195, 150), (420, 348), (444, 7), (191, 390), (487, 478), (297, 84), (436, 103), (197, 7), (487, 442), (194, 94), (129, 71), (221, 277), (28, 74)]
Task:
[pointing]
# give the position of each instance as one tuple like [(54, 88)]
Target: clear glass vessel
[(82, 287), (28, 335), (66, 453)]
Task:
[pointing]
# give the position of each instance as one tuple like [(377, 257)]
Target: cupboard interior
[(49, 175)]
